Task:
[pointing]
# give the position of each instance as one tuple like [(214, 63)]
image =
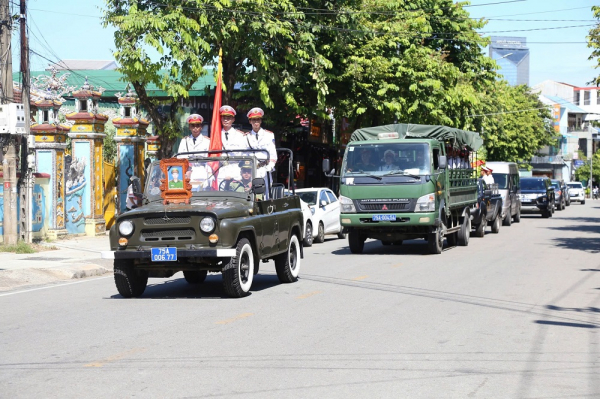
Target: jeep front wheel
[(238, 273), (130, 282), (287, 264)]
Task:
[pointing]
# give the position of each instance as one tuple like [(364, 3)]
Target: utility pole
[(9, 163), (26, 180)]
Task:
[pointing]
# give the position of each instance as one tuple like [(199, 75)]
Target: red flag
[(215, 127)]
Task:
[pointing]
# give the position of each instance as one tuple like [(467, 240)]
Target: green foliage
[(20, 248), (594, 43), (583, 172), (517, 124), (109, 145)]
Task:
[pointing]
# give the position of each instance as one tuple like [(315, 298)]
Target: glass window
[(323, 197), (331, 196), (501, 180), (387, 159), (310, 197)]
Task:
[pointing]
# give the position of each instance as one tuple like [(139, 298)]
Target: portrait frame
[(175, 187)]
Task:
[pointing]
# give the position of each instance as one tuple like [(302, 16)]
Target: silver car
[(576, 191)]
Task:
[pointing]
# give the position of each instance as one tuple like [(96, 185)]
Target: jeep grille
[(168, 235), (165, 220)]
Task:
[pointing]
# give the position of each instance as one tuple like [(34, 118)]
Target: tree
[(187, 35), (583, 172), (516, 124), (594, 43)]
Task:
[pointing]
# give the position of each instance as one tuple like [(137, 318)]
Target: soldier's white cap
[(227, 110), (194, 119), (256, 113)]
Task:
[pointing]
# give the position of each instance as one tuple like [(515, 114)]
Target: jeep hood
[(222, 208)]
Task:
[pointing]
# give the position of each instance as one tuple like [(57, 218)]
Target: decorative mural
[(60, 190), (77, 189), (38, 212), (98, 173)]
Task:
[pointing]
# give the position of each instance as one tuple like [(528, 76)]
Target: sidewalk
[(76, 257)]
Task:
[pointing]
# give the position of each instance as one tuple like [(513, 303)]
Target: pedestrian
[(195, 141), (231, 138), (134, 193)]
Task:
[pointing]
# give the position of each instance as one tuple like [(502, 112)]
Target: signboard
[(578, 163), (556, 117)]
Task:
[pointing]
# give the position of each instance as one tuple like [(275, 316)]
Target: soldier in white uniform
[(231, 138), (262, 139), (198, 172), (195, 141)]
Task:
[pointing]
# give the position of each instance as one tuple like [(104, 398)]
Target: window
[(82, 105), (576, 98), (332, 198), (323, 197), (436, 158), (597, 97), (127, 112), (45, 117), (586, 97)]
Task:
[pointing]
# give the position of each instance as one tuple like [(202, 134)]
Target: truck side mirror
[(326, 166), (443, 161), (258, 185)]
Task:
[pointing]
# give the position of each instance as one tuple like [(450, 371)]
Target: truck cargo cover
[(459, 137)]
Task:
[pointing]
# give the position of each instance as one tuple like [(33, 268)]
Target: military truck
[(228, 225), (417, 196)]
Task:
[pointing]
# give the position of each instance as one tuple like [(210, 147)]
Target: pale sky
[(71, 29)]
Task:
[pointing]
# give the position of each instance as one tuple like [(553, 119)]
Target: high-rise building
[(512, 55)]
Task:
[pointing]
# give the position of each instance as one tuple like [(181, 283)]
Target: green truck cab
[(229, 226), (396, 184)]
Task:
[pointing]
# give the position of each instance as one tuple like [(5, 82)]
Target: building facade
[(512, 55)]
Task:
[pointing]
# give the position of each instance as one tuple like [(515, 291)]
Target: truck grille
[(383, 207), (165, 220), (168, 235)]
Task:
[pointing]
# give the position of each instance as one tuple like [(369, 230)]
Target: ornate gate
[(110, 193)]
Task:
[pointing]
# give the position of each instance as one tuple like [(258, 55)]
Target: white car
[(325, 209), (576, 191)]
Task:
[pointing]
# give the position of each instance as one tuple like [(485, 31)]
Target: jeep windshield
[(532, 185), (387, 161), (215, 176)]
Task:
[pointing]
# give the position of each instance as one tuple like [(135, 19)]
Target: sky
[(555, 31)]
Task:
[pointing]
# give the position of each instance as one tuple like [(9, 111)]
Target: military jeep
[(230, 225)]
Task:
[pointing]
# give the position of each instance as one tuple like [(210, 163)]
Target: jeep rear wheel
[(130, 282), (238, 273), (195, 277), (496, 224), (287, 264), (507, 219)]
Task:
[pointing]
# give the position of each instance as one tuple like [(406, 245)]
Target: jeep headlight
[(126, 228), (207, 224), (347, 205), (426, 203)]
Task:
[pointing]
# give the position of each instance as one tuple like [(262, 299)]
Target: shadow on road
[(563, 324), (211, 288), (375, 247), (590, 245)]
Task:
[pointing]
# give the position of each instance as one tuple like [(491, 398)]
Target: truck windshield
[(380, 159)]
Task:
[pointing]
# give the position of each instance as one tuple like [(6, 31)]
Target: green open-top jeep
[(229, 225)]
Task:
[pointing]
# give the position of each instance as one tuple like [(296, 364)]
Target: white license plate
[(163, 254), (383, 218)]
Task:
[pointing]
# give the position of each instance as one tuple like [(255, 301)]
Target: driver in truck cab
[(365, 163)]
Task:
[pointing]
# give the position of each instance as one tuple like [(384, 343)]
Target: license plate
[(164, 254), (382, 218)]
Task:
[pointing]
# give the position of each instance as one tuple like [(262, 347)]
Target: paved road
[(513, 315)]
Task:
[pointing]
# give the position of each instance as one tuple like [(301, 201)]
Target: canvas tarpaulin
[(458, 137)]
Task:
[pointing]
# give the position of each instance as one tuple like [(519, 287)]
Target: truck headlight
[(126, 228), (426, 203), (207, 224), (347, 205)]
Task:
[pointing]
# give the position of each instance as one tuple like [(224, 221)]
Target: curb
[(18, 278)]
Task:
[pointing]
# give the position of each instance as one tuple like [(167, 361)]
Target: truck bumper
[(365, 220), (181, 253)]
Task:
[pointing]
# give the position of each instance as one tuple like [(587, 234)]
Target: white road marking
[(55, 286)]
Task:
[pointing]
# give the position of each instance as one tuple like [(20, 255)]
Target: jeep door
[(270, 228)]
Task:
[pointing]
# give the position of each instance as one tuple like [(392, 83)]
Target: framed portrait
[(175, 186)]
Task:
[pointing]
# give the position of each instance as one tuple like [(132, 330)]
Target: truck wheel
[(496, 224), (435, 242), (465, 232), (356, 242), (480, 229), (320, 233), (507, 220), (517, 217), (452, 239), (308, 237), (238, 273), (287, 264), (130, 283), (195, 277)]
